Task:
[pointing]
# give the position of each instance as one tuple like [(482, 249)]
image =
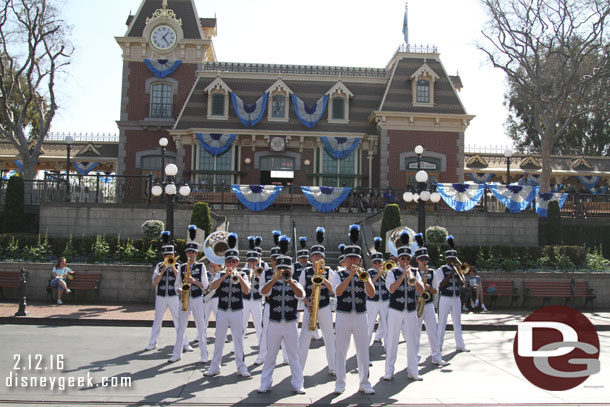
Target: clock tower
[(164, 46)]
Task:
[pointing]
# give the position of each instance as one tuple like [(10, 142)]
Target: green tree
[(556, 54), (13, 207), (201, 217), (391, 220)]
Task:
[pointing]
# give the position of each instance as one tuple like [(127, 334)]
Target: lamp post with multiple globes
[(170, 189)]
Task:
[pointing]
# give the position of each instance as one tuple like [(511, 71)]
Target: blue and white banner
[(340, 147), (214, 143), (461, 197), (105, 178), (9, 174), (326, 199), (249, 115), (257, 197), (84, 167), (542, 202), (480, 177), (589, 181), (598, 190), (534, 179), (19, 164), (162, 67), (515, 197), (309, 115)]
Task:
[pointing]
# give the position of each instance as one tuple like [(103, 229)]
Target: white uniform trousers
[(429, 317), (254, 308), (210, 306), (262, 350), (325, 320), (374, 308), (348, 324), (195, 307), (161, 304), (451, 305), (276, 333), (224, 321), (405, 322)]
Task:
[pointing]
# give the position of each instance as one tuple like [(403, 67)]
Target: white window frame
[(278, 88), (423, 73), (218, 86), (339, 90), (152, 86)]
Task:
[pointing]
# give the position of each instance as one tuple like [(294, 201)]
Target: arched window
[(161, 106), (338, 108), (423, 91)]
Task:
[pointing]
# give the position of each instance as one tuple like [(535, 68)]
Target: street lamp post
[(170, 189), (68, 140), (163, 143), (422, 195), (508, 154)]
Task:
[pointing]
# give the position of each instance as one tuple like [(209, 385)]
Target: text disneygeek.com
[(29, 372)]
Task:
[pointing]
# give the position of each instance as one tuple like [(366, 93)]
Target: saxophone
[(316, 280), (424, 297), (186, 289)]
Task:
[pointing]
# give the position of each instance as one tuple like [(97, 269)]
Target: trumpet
[(411, 280), (234, 277), (362, 274), (258, 272), (170, 261), (286, 275), (388, 265)]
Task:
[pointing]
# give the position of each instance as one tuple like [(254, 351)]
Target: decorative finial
[(164, 12)]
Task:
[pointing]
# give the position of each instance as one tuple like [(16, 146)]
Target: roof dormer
[(218, 99), (279, 101), (338, 103), (422, 86)]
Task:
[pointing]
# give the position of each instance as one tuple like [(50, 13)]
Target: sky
[(359, 33)]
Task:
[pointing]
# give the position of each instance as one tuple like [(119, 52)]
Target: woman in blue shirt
[(58, 278)]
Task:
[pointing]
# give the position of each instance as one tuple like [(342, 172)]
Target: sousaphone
[(393, 239), (215, 246)]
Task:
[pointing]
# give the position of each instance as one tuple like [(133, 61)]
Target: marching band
[(393, 296)]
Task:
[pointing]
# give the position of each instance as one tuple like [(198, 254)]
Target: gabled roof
[(530, 163), (476, 161), (424, 70), (184, 9), (340, 87), (281, 85), (217, 83)]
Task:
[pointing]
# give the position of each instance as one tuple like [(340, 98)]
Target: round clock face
[(278, 143), (163, 37)]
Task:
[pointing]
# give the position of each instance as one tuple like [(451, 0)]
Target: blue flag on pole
[(405, 28)]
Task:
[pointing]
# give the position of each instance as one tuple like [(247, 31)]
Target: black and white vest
[(452, 289), (195, 271), (298, 269), (210, 279), (404, 294), (324, 294), (429, 281), (379, 286), (354, 296), (282, 303), (167, 285), (254, 286), (230, 297)]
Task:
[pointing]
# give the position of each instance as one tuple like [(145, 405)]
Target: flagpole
[(405, 24)]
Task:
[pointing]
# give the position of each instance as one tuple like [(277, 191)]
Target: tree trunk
[(29, 174), (545, 182)]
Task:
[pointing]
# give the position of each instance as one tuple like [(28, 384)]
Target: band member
[(428, 315), (283, 294), (252, 301), (325, 317), (402, 284), (267, 276), (341, 259), (164, 278), (352, 286), (211, 303), (197, 281), (449, 300), (231, 284), (378, 305), (302, 259)]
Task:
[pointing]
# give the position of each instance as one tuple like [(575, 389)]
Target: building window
[(161, 101), (214, 164), (337, 173), (278, 106), (154, 162), (279, 163), (423, 91), (338, 109), (218, 104)]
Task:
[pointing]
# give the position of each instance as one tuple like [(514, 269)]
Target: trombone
[(461, 270)]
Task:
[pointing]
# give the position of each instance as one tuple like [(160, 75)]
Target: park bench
[(569, 290), (505, 288), (9, 279), (81, 281)]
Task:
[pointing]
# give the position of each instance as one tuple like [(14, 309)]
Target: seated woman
[(474, 287), (58, 278)]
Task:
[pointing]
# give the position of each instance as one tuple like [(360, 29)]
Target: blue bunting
[(326, 199), (543, 199), (162, 67), (9, 174), (249, 115), (83, 167), (340, 147), (480, 177), (309, 115), (214, 143), (592, 184), (515, 197), (257, 197), (461, 197)]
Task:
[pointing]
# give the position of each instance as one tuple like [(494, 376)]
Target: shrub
[(100, 250), (391, 220), (39, 252), (595, 260), (553, 232), (201, 217), (13, 207), (436, 234), (69, 252), (12, 251), (152, 229)]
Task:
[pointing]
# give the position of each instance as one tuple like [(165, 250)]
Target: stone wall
[(120, 283)]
